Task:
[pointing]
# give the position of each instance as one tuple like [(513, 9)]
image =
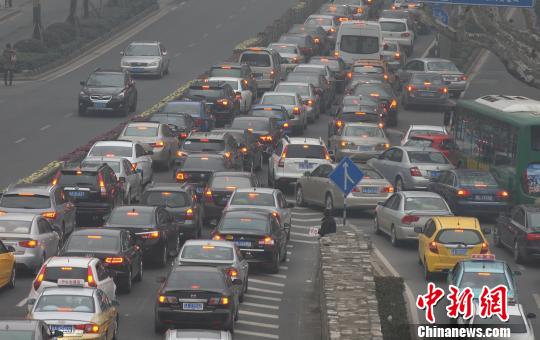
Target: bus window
[(535, 138), (533, 179)]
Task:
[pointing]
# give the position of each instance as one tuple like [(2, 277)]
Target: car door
[(309, 185), (424, 237), (48, 237), (284, 211), (65, 210), (5, 264), (166, 224), (397, 165), (278, 234), (105, 281), (164, 57), (517, 227), (144, 162), (132, 251), (247, 95), (383, 215), (395, 213), (274, 158), (105, 318), (133, 178), (382, 162)]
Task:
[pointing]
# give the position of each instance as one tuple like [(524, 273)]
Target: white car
[(399, 30), (241, 88), (59, 270), (415, 130), (294, 105), (292, 157), (132, 151)]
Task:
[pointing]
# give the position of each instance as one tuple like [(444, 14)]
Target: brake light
[(272, 74), (114, 260), (232, 273), (388, 189), (443, 90), (385, 76), (183, 135), (433, 247), (158, 144), (49, 214), (349, 75), (339, 123), (333, 30), (343, 19), (309, 102), (134, 166), (223, 102), (336, 53), (415, 172), (405, 34), (54, 181), (90, 277), (181, 176), (238, 95), (39, 278), (410, 88), (266, 138), (397, 56), (217, 237), (393, 104), (102, 188), (208, 195), (359, 10), (88, 328), (408, 219), (503, 194), (198, 121), (316, 40), (227, 155), (281, 162), (224, 300), (28, 243), (381, 125), (533, 237), (267, 241), (296, 110), (189, 214), (463, 193), (244, 150), (326, 155), (149, 235), (485, 248), (285, 125)]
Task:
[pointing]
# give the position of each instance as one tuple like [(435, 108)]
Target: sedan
[(277, 112), (359, 140), (196, 107), (27, 329), (197, 170), (337, 67), (405, 210), (385, 95), (145, 58), (290, 55), (425, 89), (181, 124), (304, 41), (294, 105), (367, 112), (311, 100), (265, 129), (251, 150), (241, 89), (443, 143), (411, 168), (330, 23)]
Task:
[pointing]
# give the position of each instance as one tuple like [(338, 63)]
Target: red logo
[(494, 302), (430, 300), (460, 302)]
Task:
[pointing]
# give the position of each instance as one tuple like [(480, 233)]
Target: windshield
[(115, 165), (141, 131), (232, 182), (204, 144), (105, 80), (477, 179), (243, 123), (65, 304), (306, 151), (181, 107), (361, 116), (253, 198), (367, 69), (26, 201), (257, 225), (427, 79), (459, 236), (284, 48), (425, 203), (392, 26), (171, 199), (226, 72), (142, 50), (331, 63), (256, 59), (71, 178), (207, 252), (334, 9), (480, 279), (278, 99), (111, 151), (299, 40), (132, 217), (207, 93), (15, 227), (92, 243), (427, 157), (358, 44), (363, 131), (351, 101), (302, 90), (442, 66), (319, 21), (195, 280), (176, 120)]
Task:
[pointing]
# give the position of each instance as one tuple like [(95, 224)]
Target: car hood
[(109, 91), (140, 139), (142, 59)]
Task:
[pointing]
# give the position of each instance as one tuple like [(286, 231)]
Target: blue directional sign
[(346, 175), (440, 14), (505, 3)]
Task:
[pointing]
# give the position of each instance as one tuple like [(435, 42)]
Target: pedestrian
[(328, 223), (9, 60)]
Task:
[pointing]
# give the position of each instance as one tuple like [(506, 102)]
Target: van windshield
[(358, 44), (256, 59)]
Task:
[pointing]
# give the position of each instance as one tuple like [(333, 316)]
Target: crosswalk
[(259, 316)]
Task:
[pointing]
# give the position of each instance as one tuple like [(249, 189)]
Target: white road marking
[(280, 276), (536, 299), (43, 128), (218, 26), (256, 334), (295, 226), (289, 252), (283, 268), (269, 291), (261, 297), (68, 115), (290, 246), (262, 315), (302, 241), (428, 48), (307, 213), (306, 219), (302, 234), (20, 140), (22, 302), (259, 305), (205, 36), (277, 284), (258, 324), (191, 45)]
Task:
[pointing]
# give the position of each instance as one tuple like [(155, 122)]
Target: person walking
[(9, 60), (328, 223)]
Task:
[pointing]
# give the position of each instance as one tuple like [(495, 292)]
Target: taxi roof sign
[(70, 282), (486, 257)]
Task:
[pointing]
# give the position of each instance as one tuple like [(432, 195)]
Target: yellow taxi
[(7, 266), (444, 241)]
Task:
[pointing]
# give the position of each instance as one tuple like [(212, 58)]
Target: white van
[(358, 40)]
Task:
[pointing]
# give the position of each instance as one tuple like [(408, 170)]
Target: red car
[(443, 143)]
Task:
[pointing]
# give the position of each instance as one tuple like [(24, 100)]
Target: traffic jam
[(209, 188)]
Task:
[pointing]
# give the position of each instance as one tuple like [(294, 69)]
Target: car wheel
[(376, 228), (427, 274), (518, 256), (12, 278), (300, 197), (329, 202), (497, 238), (274, 269), (399, 184), (162, 261), (139, 276), (128, 282), (393, 237)]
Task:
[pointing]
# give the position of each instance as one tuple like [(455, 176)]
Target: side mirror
[(380, 203), (418, 230), (164, 53), (160, 279), (122, 179), (10, 249), (307, 174), (486, 231), (82, 82), (531, 316), (121, 52), (291, 116), (517, 273)]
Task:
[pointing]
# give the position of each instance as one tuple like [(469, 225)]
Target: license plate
[(76, 193), (483, 198), (370, 190), (100, 105), (364, 148), (434, 174), (305, 166), (71, 282), (61, 328), (192, 306), (243, 243), (426, 94), (459, 251), (258, 75), (137, 69)]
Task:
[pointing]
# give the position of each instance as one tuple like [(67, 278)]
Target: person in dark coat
[(9, 59), (328, 223)]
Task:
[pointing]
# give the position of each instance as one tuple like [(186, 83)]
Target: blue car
[(200, 112), (275, 111)]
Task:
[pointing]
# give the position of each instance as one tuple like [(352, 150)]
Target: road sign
[(346, 175), (440, 14), (505, 3)]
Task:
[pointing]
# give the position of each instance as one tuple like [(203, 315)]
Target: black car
[(196, 107), (385, 95), (249, 147), (221, 186), (181, 202), (320, 36), (155, 230), (109, 91), (365, 112), (306, 43), (266, 130), (519, 231), (221, 97), (197, 169), (338, 68), (258, 234), (196, 297), (236, 70), (181, 124), (217, 142), (116, 248), (93, 189)]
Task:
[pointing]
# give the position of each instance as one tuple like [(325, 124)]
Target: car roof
[(84, 291), (144, 43), (251, 118), (198, 334), (261, 190), (302, 140), (427, 127), (272, 106), (108, 70), (273, 93), (284, 44), (230, 64), (165, 186), (202, 242), (293, 83), (184, 102), (74, 261), (103, 159), (212, 135), (324, 16), (224, 79), (97, 231), (432, 59), (393, 19), (115, 143), (452, 222), (470, 171), (205, 155), (146, 124), (417, 148), (412, 194), (361, 124), (232, 174), (248, 213), (301, 66), (24, 217), (128, 208), (38, 189), (431, 137)]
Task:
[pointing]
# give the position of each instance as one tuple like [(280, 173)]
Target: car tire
[(399, 184), (139, 276), (517, 254), (274, 268), (329, 202), (13, 277), (497, 238), (376, 229), (162, 261), (393, 237), (300, 197), (127, 284)]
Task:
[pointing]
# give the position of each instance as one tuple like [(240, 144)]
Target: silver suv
[(145, 58)]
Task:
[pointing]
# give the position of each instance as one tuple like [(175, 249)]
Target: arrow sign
[(346, 175)]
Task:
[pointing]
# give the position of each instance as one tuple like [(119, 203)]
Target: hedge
[(392, 308)]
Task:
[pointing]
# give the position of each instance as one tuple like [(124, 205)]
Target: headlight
[(120, 95), (125, 64), (154, 63), (83, 94)]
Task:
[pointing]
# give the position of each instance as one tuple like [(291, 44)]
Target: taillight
[(397, 56), (339, 123), (272, 74), (463, 78), (333, 30), (296, 110), (388, 189), (114, 260), (327, 155), (316, 40), (415, 172), (443, 90), (217, 237), (533, 237), (393, 104), (410, 88), (349, 75), (463, 193), (244, 150), (266, 138), (385, 76), (49, 214), (294, 60), (232, 273), (359, 10), (238, 95), (208, 195), (309, 102), (285, 125), (405, 34), (267, 241), (181, 176), (189, 214), (91, 328), (433, 247), (90, 277), (227, 155), (183, 135), (149, 235), (28, 243), (158, 144), (39, 278), (408, 219), (102, 188), (485, 248), (281, 162), (198, 121), (134, 166), (224, 300), (223, 102), (503, 194)]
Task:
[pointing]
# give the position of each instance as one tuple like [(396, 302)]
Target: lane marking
[(261, 297), (537, 300), (303, 227), (218, 26), (205, 36), (302, 235), (280, 276), (191, 45), (258, 324), (307, 213), (68, 115), (256, 334), (259, 305), (22, 302), (283, 268), (430, 46), (289, 252), (262, 315), (277, 284), (43, 128), (177, 55), (290, 246), (269, 291), (302, 241), (20, 140), (306, 219)]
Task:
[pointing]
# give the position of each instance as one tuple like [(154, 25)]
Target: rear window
[(65, 304), (305, 151), (52, 274), (15, 227), (131, 217), (358, 44), (85, 179), (253, 198), (207, 252), (115, 166), (92, 243), (179, 107), (477, 179), (171, 199), (208, 93), (319, 22), (309, 69), (230, 181), (441, 66), (360, 116), (244, 224), (177, 121), (534, 220), (427, 79), (331, 63), (391, 47), (427, 157), (30, 201), (459, 236), (111, 151), (299, 89), (480, 279), (418, 143), (349, 101), (284, 48), (392, 26), (226, 72), (334, 9), (205, 163), (279, 100), (425, 132), (256, 59), (366, 69), (255, 124), (425, 203), (363, 131), (141, 131), (291, 39), (270, 113), (195, 280), (204, 144), (369, 173)]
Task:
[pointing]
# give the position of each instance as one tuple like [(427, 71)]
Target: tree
[(72, 18), (518, 49), (36, 20), (86, 8)]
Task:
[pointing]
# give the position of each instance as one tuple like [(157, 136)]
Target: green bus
[(501, 134)]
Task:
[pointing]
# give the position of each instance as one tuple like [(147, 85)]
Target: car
[(196, 296), (471, 192), (85, 271), (77, 311), (290, 55), (294, 156), (248, 143), (371, 69), (443, 143), (319, 35), (221, 254), (161, 140), (202, 334), (154, 227), (356, 109), (265, 129), (403, 211), (28, 329), (330, 23), (361, 10), (410, 168), (342, 12), (319, 82), (236, 70), (446, 240), (400, 30), (196, 107), (47, 200), (336, 66), (316, 188), (145, 58), (385, 95), (483, 270), (294, 105), (454, 79), (94, 190), (108, 91), (258, 233), (265, 64), (415, 130), (309, 98), (32, 236), (403, 14), (278, 112), (8, 268), (116, 248), (518, 231), (198, 168), (181, 124), (330, 82), (221, 186), (181, 202), (241, 89), (304, 41), (220, 96), (393, 55), (427, 89), (135, 153), (218, 142), (359, 140), (124, 171)]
